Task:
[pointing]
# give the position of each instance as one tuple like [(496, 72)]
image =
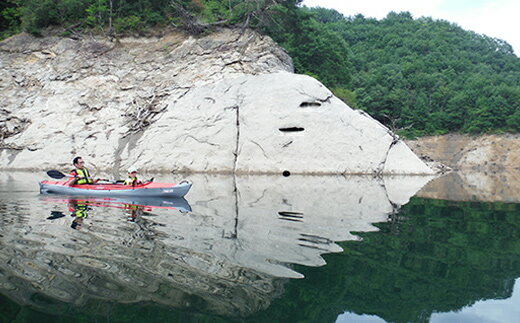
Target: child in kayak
[(132, 177)]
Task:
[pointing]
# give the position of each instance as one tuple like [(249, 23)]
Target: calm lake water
[(263, 249)]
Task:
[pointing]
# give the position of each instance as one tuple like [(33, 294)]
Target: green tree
[(10, 12), (427, 73)]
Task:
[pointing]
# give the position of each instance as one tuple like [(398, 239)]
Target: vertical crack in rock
[(237, 145), (235, 227), (395, 140), (237, 123), (235, 170)]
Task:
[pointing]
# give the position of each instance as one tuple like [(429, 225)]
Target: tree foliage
[(135, 15), (10, 12), (429, 74)]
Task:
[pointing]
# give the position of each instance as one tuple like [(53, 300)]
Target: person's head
[(78, 162), (132, 172)]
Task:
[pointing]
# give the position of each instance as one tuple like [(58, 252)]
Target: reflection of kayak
[(151, 189), (177, 203)]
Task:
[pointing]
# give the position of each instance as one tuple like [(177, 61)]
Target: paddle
[(56, 174)]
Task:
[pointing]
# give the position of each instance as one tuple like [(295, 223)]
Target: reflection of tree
[(8, 309), (438, 256), (105, 312)]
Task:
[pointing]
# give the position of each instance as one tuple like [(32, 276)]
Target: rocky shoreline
[(483, 153), (483, 168)]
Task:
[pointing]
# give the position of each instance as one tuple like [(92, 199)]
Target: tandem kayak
[(152, 189)]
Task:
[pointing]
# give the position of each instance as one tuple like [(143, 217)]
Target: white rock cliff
[(226, 102)]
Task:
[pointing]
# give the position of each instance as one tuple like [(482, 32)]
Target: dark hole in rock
[(286, 173), (291, 129), (291, 214), (310, 105)]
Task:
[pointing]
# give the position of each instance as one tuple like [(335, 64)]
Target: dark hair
[(76, 160)]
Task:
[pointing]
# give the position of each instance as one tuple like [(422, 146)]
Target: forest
[(418, 76)]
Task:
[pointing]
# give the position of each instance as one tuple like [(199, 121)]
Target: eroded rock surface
[(227, 102)]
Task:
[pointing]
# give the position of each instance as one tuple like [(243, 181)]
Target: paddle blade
[(56, 215), (56, 174)]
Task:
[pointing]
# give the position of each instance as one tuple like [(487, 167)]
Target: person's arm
[(94, 180), (72, 179)]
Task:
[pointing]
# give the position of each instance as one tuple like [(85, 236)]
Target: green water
[(432, 260), (434, 256)]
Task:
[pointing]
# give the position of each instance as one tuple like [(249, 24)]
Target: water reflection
[(467, 186), (79, 210), (362, 245), (225, 256), (435, 256), (134, 207)]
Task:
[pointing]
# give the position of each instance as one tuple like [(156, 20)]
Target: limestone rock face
[(226, 102)]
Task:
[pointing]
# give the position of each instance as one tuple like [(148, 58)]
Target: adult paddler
[(80, 174)]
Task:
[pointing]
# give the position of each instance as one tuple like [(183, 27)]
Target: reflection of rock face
[(288, 220), (226, 102), (124, 263), (295, 220), (471, 186), (222, 258)]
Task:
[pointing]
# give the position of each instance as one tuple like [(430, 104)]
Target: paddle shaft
[(92, 178), (56, 174)]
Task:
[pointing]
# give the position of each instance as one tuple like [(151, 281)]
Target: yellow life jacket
[(131, 181), (80, 213), (86, 176), (79, 209)]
